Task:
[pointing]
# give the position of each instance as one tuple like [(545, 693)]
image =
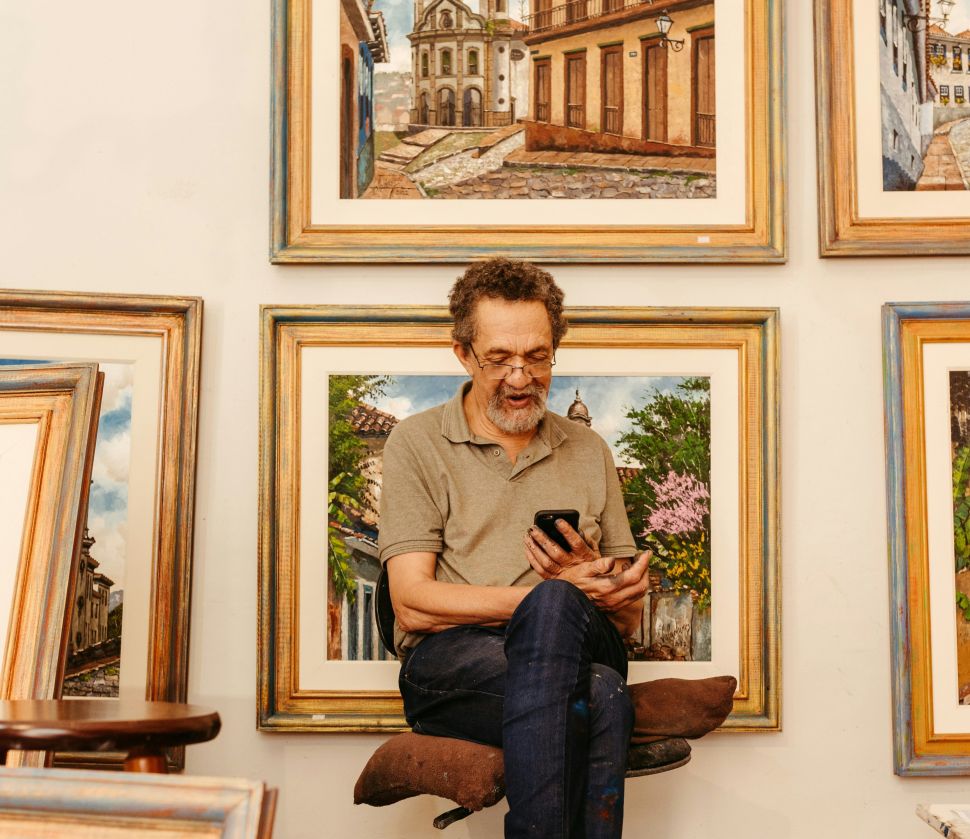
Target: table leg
[(146, 759)]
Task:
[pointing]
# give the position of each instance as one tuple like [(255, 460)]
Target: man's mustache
[(535, 391)]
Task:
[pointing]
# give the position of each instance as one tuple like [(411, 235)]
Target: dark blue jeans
[(550, 690)]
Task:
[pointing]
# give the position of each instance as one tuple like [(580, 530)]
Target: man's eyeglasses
[(497, 372)]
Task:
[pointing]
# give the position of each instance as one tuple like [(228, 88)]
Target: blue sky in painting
[(608, 398), (108, 505)]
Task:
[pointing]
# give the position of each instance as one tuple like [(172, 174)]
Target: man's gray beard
[(516, 420)]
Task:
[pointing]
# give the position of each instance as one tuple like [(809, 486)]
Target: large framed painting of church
[(550, 130), (687, 402), (893, 103)]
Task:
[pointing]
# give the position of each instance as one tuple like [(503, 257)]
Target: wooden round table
[(142, 729)]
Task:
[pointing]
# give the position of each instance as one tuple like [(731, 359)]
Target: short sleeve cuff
[(619, 550), (410, 546)]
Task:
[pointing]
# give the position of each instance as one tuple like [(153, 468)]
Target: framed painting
[(455, 130), (39, 803), (927, 384), (47, 420), (891, 78), (335, 381), (129, 629)]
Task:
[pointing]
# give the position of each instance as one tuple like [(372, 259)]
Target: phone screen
[(545, 520)]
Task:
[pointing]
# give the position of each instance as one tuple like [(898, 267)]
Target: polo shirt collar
[(454, 423)]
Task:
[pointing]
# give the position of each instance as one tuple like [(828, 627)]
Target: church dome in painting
[(578, 412)]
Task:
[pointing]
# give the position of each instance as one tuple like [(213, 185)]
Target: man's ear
[(465, 358)]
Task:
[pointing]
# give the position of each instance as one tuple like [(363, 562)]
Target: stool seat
[(472, 774)]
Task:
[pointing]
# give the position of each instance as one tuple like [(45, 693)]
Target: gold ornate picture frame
[(320, 667), (315, 75), (157, 340), (47, 421)]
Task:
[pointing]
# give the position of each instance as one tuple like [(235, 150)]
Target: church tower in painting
[(469, 67)]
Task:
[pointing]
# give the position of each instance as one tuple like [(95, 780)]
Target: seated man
[(505, 638)]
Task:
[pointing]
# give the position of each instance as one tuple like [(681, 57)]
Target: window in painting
[(445, 20), (882, 20), (472, 62), (500, 6), (424, 65), (957, 60), (446, 62), (543, 15), (576, 90), (958, 94)]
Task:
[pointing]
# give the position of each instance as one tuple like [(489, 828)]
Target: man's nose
[(518, 377)]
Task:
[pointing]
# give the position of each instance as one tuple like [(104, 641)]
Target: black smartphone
[(545, 520)]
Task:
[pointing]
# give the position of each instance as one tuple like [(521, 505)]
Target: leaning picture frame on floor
[(893, 122), (48, 419), (130, 805), (333, 382), (129, 629), (926, 352), (391, 121)]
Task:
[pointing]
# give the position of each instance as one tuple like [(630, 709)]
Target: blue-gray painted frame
[(906, 760)]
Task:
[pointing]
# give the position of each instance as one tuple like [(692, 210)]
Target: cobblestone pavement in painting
[(960, 143), (535, 182), (446, 164), (466, 165), (941, 163)]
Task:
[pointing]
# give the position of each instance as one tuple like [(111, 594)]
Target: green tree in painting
[(346, 482), (671, 433), (668, 500), (960, 437)]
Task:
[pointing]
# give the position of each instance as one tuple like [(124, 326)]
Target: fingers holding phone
[(554, 543)]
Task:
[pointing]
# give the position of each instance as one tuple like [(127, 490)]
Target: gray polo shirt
[(449, 492)]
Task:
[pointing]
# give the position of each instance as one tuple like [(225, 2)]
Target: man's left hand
[(548, 559)]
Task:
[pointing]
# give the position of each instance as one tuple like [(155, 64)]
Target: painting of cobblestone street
[(554, 99), (925, 93)]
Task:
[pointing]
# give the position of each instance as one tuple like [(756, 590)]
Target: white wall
[(134, 152)]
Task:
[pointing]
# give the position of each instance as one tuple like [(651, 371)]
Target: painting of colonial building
[(906, 91), (352, 621), (363, 43), (468, 67), (623, 76), (94, 648), (925, 92)]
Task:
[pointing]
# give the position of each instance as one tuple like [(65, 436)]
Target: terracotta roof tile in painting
[(369, 421), (933, 29)]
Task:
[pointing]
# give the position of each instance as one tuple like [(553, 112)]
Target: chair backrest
[(384, 611)]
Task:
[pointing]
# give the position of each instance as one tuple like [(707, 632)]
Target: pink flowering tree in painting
[(668, 496), (678, 529)]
